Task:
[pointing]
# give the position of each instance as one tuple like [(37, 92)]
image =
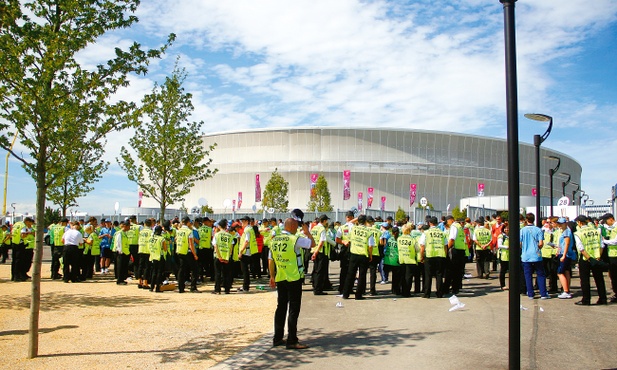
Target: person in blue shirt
[(566, 255), (532, 240)]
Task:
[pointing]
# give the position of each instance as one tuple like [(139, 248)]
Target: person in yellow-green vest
[(589, 244), (187, 256), (320, 255), (56, 232), (343, 239), (143, 267), (373, 265), (5, 242), (406, 247), (286, 266), (204, 229), (457, 249), (123, 253), (248, 247), (610, 243), (133, 235), (482, 240), (503, 248), (433, 253), (158, 247), (390, 259), (549, 251), (92, 248), (223, 244), (362, 244), (26, 233)]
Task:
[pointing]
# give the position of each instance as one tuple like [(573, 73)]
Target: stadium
[(445, 167)]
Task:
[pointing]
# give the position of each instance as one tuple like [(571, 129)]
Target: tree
[(171, 156), (457, 213), (52, 216), (276, 193), (400, 214), (206, 209), (322, 201), (57, 107), (65, 191)]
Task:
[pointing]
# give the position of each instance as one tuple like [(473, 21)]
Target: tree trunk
[(35, 298)]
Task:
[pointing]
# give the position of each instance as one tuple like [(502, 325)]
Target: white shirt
[(72, 237)]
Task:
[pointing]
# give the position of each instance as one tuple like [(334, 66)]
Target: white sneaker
[(382, 282), (564, 295)]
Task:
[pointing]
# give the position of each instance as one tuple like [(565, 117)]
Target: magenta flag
[(369, 197), (233, 205), (412, 193), (257, 189), (141, 195), (534, 192), (314, 177), (239, 199), (346, 184), (360, 196), (481, 189), (383, 203)]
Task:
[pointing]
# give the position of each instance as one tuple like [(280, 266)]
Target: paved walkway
[(388, 332)]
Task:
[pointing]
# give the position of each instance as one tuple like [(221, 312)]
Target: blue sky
[(435, 65)]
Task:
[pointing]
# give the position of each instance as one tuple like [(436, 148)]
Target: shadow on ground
[(369, 342), (41, 330), (59, 300)]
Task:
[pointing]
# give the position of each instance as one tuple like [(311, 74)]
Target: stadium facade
[(445, 167)]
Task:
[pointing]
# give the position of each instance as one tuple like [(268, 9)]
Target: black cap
[(350, 214), (606, 216), (297, 215), (245, 218), (450, 217), (581, 218), (395, 229), (389, 218), (370, 218), (186, 219), (223, 223), (323, 218)]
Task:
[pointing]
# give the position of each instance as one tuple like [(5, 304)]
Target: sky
[(425, 64)]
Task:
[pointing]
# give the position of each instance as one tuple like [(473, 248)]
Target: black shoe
[(613, 299), (320, 293), (278, 343), (297, 346), (601, 302), (426, 296), (195, 291), (372, 294), (360, 298), (215, 292), (582, 303), (120, 283)]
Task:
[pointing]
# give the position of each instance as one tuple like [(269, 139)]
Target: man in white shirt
[(72, 240)]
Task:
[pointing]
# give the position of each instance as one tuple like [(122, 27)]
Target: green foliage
[(322, 201), (400, 215), (56, 106), (170, 155), (206, 209), (52, 216), (276, 193), (457, 213)]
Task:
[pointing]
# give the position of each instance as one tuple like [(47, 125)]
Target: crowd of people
[(193, 251)]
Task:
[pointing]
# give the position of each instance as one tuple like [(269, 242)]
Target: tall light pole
[(551, 173), (514, 298), (537, 141), (565, 183), (578, 187)]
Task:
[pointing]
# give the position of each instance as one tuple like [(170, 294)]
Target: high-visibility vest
[(289, 264), (612, 249), (359, 240), (591, 240), (144, 240), (316, 233), (407, 249), (434, 243), (224, 244), (156, 247), (504, 254), (205, 237), (133, 234), (483, 236), (182, 240)]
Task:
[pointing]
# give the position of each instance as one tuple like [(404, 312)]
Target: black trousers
[(264, 259), (612, 272), (321, 273), (288, 305), (70, 258), (222, 276), (550, 269), (373, 267), (122, 267), (245, 262), (134, 260), (418, 279), (144, 267), (17, 259), (434, 266), (396, 277), (505, 267), (56, 254), (344, 266), (27, 261), (187, 265), (457, 269), (87, 271), (256, 265), (357, 264), (4, 252), (484, 261), (156, 275), (585, 269), (408, 273)]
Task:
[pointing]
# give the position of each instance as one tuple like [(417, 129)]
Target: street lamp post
[(537, 141), (551, 173), (578, 187), (565, 183)]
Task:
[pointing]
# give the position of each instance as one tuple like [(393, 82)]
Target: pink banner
[(369, 197), (314, 178), (239, 199), (346, 184), (257, 189), (233, 205), (383, 203), (360, 196), (412, 194), (141, 195), (480, 189), (534, 192)]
